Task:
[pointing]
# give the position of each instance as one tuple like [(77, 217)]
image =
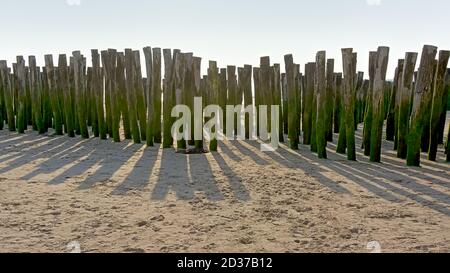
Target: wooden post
[(257, 87), (336, 105), (342, 140), (438, 103), (223, 95), (329, 99), (239, 95), (36, 96), (21, 96), (3, 116), (156, 81), (422, 98), (121, 87), (292, 102), (178, 72), (196, 72), (149, 96), (349, 66), (213, 86), (446, 105), (277, 99), (167, 96), (92, 102), (108, 62), (63, 87), (368, 117), (232, 92), (404, 104), (265, 88), (53, 95), (298, 94), (131, 95), (248, 100), (359, 97), (188, 90), (377, 103), (8, 93), (139, 94), (97, 85), (320, 91), (79, 93), (425, 139), (392, 116), (308, 102), (284, 102)]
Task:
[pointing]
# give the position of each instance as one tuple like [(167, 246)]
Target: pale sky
[(231, 32)]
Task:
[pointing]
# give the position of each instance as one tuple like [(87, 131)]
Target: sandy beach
[(124, 197)]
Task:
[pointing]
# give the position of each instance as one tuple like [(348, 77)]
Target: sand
[(124, 197)]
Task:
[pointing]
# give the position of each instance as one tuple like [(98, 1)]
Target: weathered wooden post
[(35, 93), (97, 85), (392, 116), (240, 94), (63, 87), (425, 142), (310, 84), (278, 99), (139, 94), (446, 105), (8, 93), (188, 90), (131, 95), (378, 102), (422, 98), (53, 95), (349, 68), (213, 98), (265, 88), (232, 92), (292, 102), (223, 95), (149, 95), (308, 102), (404, 104), (157, 92), (21, 96), (198, 124), (79, 93), (257, 87), (178, 83), (298, 91), (438, 103), (248, 100), (122, 95), (368, 117), (92, 103), (284, 101), (108, 58), (320, 91), (342, 140), (359, 90), (167, 96), (336, 104), (330, 94)]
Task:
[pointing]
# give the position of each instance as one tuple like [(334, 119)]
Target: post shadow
[(139, 177), (172, 176), (246, 151), (108, 165), (26, 156), (239, 190)]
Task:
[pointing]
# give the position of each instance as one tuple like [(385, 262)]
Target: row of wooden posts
[(112, 96)]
